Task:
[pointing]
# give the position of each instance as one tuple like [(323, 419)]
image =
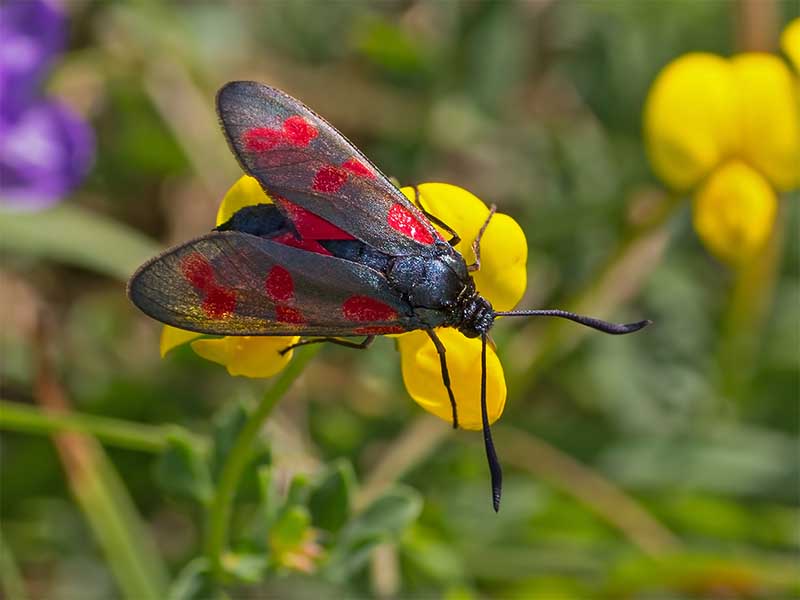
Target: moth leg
[(476, 245), (445, 373), (436, 220), (362, 345)]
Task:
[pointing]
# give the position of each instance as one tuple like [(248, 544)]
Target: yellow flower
[(689, 119), (249, 356), (728, 130), (501, 280), (769, 117), (734, 211)]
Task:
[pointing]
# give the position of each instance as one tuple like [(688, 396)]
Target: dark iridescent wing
[(232, 283), (297, 155)]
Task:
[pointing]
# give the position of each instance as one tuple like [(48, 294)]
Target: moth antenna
[(599, 324), (495, 470)]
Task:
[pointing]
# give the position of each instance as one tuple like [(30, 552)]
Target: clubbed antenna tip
[(599, 324)]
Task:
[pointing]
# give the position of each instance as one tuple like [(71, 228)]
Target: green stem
[(115, 432), (750, 301), (219, 511), (117, 526)]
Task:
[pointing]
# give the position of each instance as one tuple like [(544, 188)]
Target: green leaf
[(281, 523), (331, 497), (270, 505), (299, 489), (182, 470), (246, 568), (290, 529), (269, 502), (227, 427), (389, 515), (73, 235), (228, 423), (194, 583), (383, 520)]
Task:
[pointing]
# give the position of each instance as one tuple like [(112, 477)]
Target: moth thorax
[(478, 316)]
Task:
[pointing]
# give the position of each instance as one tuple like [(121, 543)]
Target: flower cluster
[(729, 131), (45, 150), (501, 279)]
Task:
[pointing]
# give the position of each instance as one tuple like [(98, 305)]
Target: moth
[(341, 253)]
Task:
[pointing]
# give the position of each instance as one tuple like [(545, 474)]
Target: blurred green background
[(659, 465)]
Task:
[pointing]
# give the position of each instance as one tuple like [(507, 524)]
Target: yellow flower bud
[(734, 211)]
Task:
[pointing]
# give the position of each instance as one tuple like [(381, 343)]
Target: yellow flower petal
[(423, 378), (172, 337), (734, 211), (769, 117), (504, 250), (245, 192), (690, 118), (257, 356), (790, 42), (503, 275)]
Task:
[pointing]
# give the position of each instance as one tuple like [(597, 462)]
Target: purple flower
[(45, 149)]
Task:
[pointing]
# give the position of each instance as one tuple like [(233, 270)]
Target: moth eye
[(288, 314), (279, 285), (329, 179), (401, 219), (366, 309), (356, 167)]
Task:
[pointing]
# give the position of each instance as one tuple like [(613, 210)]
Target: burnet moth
[(340, 253)]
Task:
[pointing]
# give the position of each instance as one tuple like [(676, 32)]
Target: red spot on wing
[(219, 302), (378, 330), (287, 314), (329, 179), (310, 226), (298, 131), (366, 309), (356, 167), (279, 285), (401, 219), (287, 239), (197, 270), (295, 131), (261, 139)]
